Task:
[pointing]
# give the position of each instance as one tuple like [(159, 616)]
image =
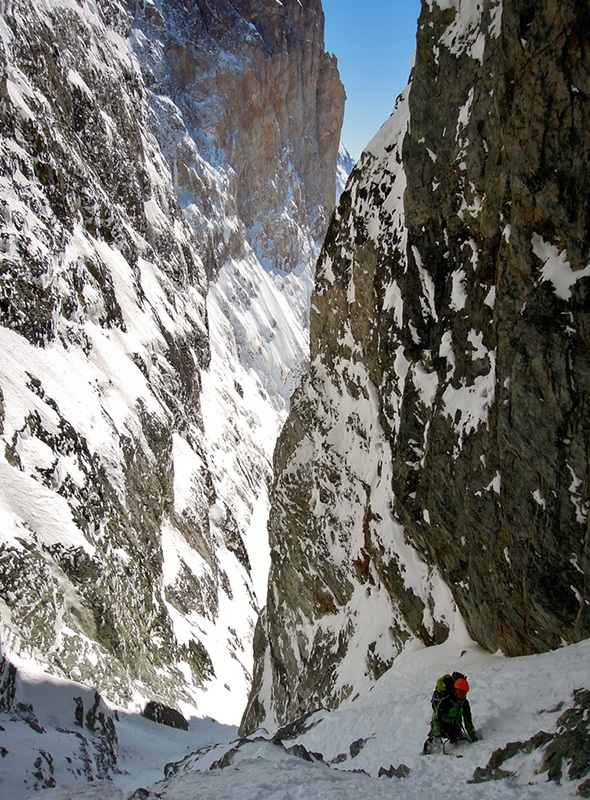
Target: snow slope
[(512, 700)]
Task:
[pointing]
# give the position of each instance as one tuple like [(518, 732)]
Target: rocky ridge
[(432, 478), (142, 198)]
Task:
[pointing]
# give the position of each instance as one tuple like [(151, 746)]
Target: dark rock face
[(441, 437), (512, 192), (7, 684), (266, 102)]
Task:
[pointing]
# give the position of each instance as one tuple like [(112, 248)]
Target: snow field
[(511, 699)]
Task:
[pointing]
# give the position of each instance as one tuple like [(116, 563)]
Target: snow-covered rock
[(166, 174), (433, 472)]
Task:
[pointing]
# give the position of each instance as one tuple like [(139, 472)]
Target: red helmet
[(462, 685)]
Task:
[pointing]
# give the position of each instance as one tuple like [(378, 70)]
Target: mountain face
[(167, 171), (344, 168), (432, 478)]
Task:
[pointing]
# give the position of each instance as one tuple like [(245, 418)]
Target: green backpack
[(444, 687)]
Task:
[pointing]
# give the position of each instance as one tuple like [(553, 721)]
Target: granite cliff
[(167, 170), (432, 479)]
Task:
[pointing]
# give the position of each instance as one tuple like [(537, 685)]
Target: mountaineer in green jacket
[(451, 714)]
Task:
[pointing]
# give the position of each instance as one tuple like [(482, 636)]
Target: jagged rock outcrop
[(566, 749), (147, 149), (434, 468), (72, 737)]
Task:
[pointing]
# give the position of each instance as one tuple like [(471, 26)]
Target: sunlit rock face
[(433, 472), (167, 171), (260, 94)]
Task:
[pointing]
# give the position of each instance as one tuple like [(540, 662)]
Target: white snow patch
[(475, 339), (490, 298), (426, 384), (575, 497), (427, 300), (556, 268), (512, 699), (392, 130), (538, 498), (464, 34), (33, 513), (465, 113), (469, 405), (446, 351), (76, 80), (495, 28), (458, 290), (393, 300), (495, 484)]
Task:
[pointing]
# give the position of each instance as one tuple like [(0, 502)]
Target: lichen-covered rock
[(434, 467)]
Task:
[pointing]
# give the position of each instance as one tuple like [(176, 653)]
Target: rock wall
[(433, 472), (138, 147), (259, 96)]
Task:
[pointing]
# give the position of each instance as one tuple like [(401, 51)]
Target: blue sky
[(374, 41)]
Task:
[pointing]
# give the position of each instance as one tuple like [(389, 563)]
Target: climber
[(451, 714)]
